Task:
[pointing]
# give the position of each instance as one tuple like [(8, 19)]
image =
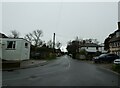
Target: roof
[(117, 30), (89, 45), (3, 35), (114, 38), (16, 38)]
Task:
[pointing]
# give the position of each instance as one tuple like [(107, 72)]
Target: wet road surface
[(64, 71)]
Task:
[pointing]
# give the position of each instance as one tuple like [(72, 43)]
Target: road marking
[(68, 63)]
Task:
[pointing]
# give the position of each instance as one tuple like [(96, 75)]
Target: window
[(11, 44), (97, 48), (26, 45), (118, 44), (118, 34)]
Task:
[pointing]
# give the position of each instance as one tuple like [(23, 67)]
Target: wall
[(90, 49), (93, 49), (17, 53), (25, 51)]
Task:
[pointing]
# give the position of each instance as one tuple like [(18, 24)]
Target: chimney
[(118, 25)]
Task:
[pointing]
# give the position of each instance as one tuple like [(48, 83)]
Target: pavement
[(28, 64), (107, 66)]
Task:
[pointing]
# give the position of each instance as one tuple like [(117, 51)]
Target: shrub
[(83, 52), (116, 67), (51, 56)]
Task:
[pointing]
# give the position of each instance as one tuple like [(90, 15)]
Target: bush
[(42, 53), (83, 52), (77, 56), (51, 56), (116, 67)]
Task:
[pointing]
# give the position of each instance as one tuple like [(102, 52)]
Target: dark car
[(105, 58)]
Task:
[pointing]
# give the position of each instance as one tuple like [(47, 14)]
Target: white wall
[(90, 49), (93, 49), (17, 53), (25, 51)]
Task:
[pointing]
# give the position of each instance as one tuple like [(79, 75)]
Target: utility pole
[(54, 42)]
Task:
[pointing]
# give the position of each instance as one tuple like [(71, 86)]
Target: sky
[(119, 11), (67, 19)]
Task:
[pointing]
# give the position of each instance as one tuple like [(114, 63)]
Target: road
[(64, 71)]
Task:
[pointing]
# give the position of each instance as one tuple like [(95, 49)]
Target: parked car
[(105, 58), (117, 61)]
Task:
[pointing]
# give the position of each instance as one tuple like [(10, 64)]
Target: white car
[(117, 61)]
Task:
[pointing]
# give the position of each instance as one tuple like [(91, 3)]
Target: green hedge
[(51, 56), (116, 67)]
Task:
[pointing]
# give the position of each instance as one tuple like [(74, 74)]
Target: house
[(3, 35), (91, 50), (15, 49), (92, 47), (114, 42)]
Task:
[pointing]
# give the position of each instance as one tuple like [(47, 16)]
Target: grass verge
[(116, 67)]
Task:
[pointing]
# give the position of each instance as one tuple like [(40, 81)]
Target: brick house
[(114, 42)]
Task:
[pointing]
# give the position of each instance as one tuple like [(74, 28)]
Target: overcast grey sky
[(119, 11), (66, 19)]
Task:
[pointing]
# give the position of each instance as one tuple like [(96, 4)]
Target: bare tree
[(49, 43), (14, 34), (28, 37), (76, 38), (95, 41), (69, 42), (58, 44), (34, 37)]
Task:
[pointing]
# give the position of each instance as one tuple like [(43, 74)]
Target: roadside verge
[(27, 64)]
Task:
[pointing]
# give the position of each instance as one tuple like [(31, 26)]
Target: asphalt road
[(64, 71)]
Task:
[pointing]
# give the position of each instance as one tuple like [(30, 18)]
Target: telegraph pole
[(54, 42)]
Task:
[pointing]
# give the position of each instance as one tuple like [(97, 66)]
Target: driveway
[(64, 71)]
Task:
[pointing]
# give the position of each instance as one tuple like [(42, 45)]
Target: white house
[(92, 47), (14, 49)]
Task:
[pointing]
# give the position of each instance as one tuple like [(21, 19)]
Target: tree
[(76, 38), (95, 41), (69, 42), (73, 48), (28, 37), (14, 34), (58, 44), (49, 43), (34, 37)]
